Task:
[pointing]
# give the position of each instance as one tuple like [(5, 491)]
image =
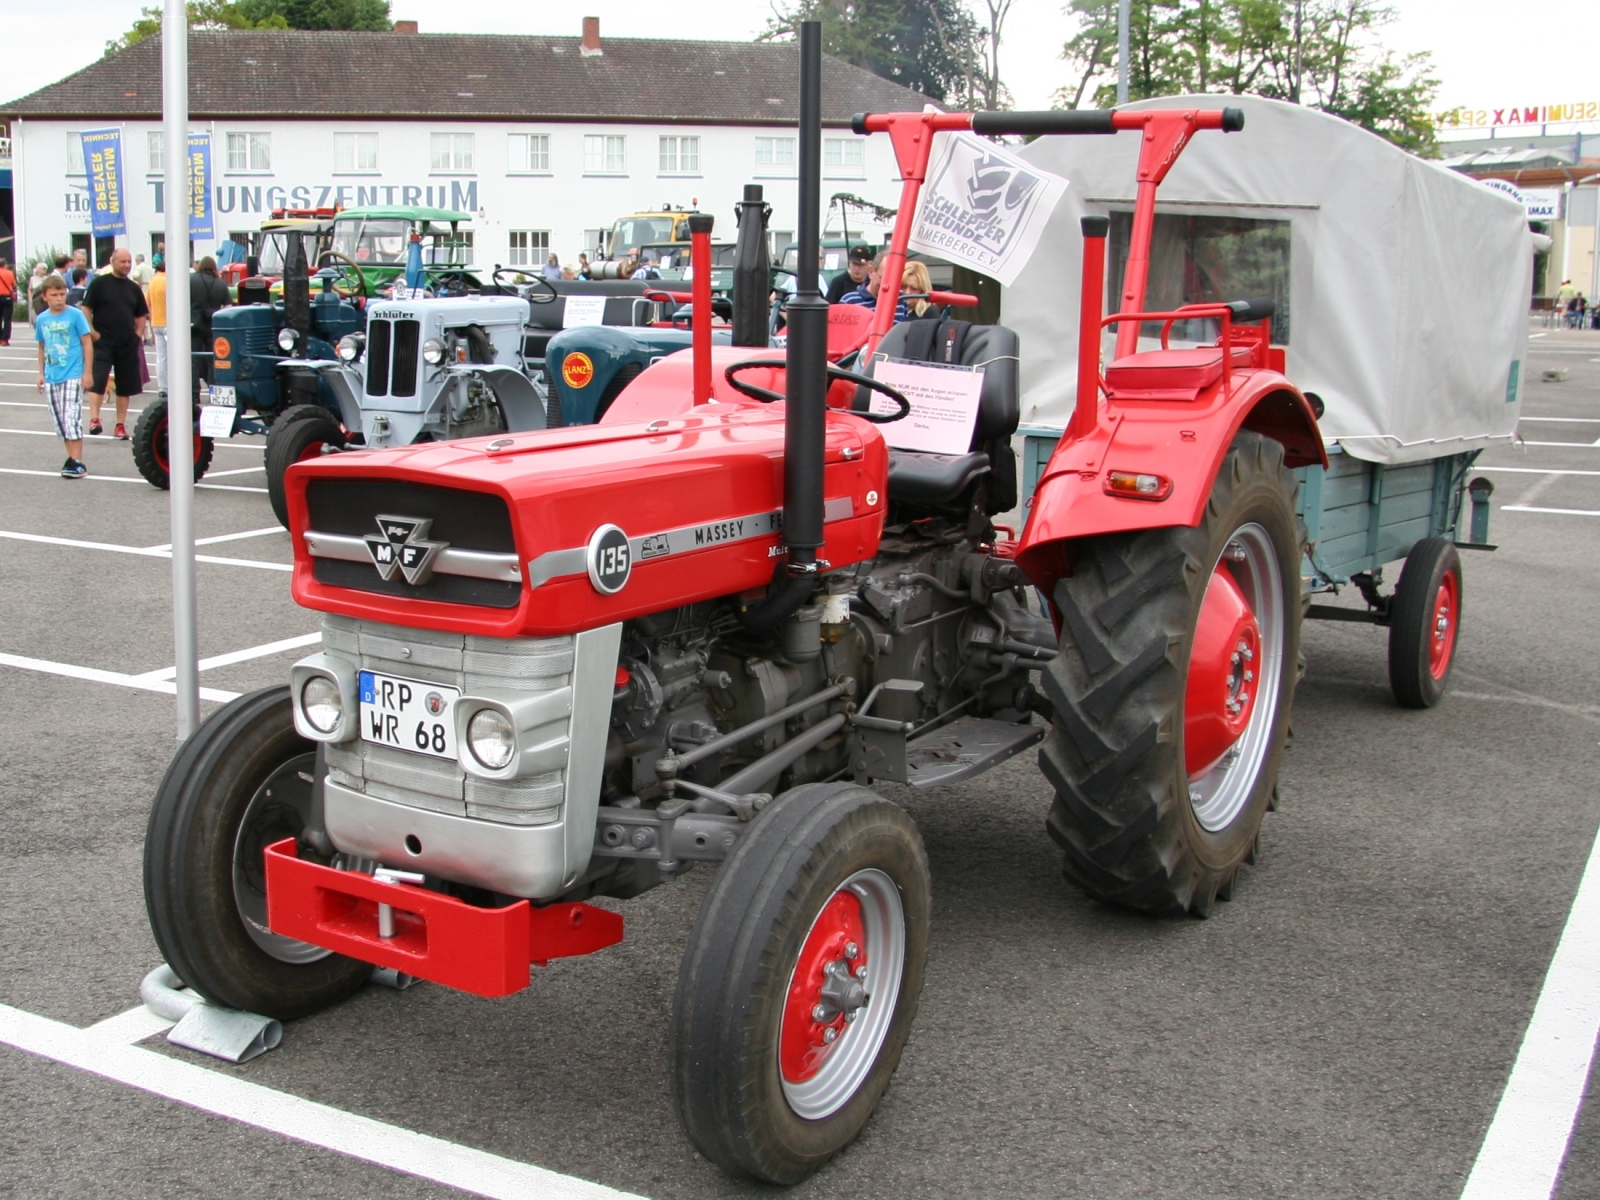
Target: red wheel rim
[(805, 1042), (1442, 625), (158, 445), (1223, 666)]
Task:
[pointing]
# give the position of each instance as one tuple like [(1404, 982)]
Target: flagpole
[(180, 367)]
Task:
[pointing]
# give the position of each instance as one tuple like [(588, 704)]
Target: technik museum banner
[(102, 163)]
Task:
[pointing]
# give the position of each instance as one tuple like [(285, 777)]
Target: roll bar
[(1166, 132)]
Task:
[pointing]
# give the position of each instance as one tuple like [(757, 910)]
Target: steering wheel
[(448, 281), (349, 264), (533, 281), (767, 396)]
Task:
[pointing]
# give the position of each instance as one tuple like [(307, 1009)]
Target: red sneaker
[(121, 431), (96, 429)]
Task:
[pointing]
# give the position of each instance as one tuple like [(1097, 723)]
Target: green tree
[(935, 47), (263, 14), (1322, 53)]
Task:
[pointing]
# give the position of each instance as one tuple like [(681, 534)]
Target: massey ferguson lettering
[(721, 531)]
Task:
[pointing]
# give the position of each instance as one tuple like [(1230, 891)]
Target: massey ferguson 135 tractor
[(574, 663)]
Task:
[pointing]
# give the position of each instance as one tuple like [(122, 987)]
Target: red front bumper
[(485, 951)]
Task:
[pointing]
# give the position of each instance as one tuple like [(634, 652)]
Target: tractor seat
[(918, 477)]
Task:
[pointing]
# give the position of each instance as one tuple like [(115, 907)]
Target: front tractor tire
[(240, 783), (150, 447), (302, 432), (1172, 691), (800, 982)]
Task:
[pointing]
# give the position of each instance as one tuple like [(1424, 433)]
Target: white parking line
[(1527, 1140), (249, 533), (95, 675), (132, 412), (293, 1117), (216, 487), (239, 656), (162, 552), (1565, 420), (1564, 512), (51, 433)]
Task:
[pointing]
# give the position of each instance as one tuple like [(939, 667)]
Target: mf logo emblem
[(401, 546)]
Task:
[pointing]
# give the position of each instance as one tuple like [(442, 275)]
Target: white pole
[(1122, 51), (180, 367)]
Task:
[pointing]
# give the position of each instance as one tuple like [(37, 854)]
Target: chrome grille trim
[(475, 564)]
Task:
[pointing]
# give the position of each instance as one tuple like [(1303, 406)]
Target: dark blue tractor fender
[(249, 359), (587, 367)]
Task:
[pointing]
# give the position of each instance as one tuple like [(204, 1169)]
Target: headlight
[(350, 346), (287, 339), (433, 352), (322, 704), (491, 738)]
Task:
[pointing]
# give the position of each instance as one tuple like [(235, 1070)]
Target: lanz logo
[(577, 369), (401, 546)]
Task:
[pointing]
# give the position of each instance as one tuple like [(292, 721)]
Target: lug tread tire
[(144, 456), (1411, 622), (287, 441), (1122, 815), (727, 1096), (188, 879)]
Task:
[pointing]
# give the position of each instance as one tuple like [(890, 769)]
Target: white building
[(544, 140)]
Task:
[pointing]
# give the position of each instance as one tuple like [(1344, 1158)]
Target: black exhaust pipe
[(806, 365), (296, 289), (752, 270)]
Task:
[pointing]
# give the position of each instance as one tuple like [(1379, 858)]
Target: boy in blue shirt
[(65, 351)]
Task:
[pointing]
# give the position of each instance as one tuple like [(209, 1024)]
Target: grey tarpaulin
[(1409, 284)]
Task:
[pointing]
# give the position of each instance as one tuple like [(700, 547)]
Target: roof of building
[(466, 76)]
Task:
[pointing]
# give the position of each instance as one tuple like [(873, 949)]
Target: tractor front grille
[(465, 520), (471, 664), (392, 354)]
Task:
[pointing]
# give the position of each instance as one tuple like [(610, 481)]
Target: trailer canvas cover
[(1408, 285)]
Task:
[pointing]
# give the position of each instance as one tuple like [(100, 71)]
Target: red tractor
[(574, 663)]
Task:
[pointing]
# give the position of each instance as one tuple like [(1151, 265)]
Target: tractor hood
[(563, 530)]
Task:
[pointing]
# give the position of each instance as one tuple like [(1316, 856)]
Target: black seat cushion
[(919, 478), (940, 479)]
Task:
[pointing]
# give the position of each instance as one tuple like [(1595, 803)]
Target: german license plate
[(408, 714), (224, 393)]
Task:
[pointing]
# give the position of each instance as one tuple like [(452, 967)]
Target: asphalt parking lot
[(1345, 1027)]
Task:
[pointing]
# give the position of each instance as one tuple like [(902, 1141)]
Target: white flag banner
[(983, 206)]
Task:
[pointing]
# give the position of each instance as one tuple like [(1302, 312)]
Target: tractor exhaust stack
[(700, 260), (752, 270), (1086, 411), (805, 367)]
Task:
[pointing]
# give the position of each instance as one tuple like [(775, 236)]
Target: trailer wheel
[(241, 782), (291, 439), (150, 447), (1425, 623), (1172, 691), (800, 982)]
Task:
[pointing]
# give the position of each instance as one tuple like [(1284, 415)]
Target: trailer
[(1399, 292)]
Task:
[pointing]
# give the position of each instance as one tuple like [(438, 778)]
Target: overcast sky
[(1486, 56)]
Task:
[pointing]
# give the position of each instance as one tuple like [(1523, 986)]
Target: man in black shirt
[(853, 276), (117, 315)]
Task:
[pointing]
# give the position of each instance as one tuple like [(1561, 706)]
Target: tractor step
[(966, 747)]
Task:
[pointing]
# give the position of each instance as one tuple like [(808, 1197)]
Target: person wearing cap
[(853, 276)]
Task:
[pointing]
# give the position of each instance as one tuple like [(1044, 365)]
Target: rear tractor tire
[(240, 783), (295, 436), (800, 982), (1425, 623), (150, 447), (1172, 691)]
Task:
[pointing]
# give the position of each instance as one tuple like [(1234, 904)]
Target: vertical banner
[(200, 220), (102, 163)]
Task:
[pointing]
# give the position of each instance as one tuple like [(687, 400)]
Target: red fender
[(1182, 441)]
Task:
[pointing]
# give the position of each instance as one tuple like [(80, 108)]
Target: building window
[(74, 152), (529, 152), (355, 152), (529, 247), (451, 249), (775, 152), (594, 241), (156, 141), (780, 242), (844, 156), (249, 152), (451, 151), (605, 154), (680, 155)]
